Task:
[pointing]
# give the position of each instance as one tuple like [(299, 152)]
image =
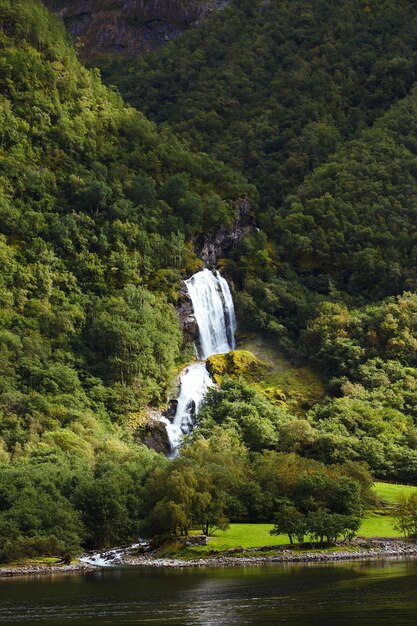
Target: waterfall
[(215, 315), (195, 382), (214, 312)]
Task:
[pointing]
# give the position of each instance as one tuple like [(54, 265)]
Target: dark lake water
[(295, 594)]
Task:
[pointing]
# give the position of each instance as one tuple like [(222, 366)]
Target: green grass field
[(374, 524), (378, 526), (39, 561), (390, 492), (256, 535), (246, 536)]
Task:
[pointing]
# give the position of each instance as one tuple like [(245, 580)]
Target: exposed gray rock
[(194, 540), (129, 27), (153, 433), (46, 570), (225, 241), (187, 319), (171, 410)]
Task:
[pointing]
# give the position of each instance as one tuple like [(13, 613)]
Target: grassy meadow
[(378, 523), (390, 492)]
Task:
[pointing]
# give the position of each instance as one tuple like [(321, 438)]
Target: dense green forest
[(315, 102), (97, 211), (286, 93), (309, 111), (275, 87)]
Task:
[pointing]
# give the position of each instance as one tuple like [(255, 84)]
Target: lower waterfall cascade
[(195, 382), (215, 315)]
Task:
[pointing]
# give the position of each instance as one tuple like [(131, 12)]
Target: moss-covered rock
[(299, 387), (237, 363)]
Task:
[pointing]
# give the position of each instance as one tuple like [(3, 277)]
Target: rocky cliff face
[(129, 27), (211, 250), (225, 241)]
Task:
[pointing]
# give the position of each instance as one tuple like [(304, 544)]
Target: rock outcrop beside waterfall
[(226, 239), (129, 27), (210, 249), (149, 428), (186, 315)]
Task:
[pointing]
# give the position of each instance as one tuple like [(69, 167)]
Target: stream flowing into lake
[(215, 316)]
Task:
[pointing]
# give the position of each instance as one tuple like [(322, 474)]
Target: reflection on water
[(331, 594)]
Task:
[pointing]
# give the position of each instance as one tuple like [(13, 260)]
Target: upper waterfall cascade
[(214, 312), (215, 315)]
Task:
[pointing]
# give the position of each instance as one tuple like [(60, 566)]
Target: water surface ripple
[(330, 594)]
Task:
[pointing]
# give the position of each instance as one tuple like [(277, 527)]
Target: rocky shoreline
[(361, 549), (43, 570)]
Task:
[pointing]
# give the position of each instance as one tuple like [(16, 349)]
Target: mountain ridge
[(128, 27)]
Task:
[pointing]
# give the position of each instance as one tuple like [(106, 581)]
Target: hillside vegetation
[(275, 87), (99, 214), (97, 209), (296, 95), (316, 103)]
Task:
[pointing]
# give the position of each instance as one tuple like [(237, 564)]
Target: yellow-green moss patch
[(237, 363), (299, 387), (282, 382)]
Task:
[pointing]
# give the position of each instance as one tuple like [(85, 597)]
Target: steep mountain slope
[(97, 212), (353, 220), (274, 87), (97, 207), (128, 27)]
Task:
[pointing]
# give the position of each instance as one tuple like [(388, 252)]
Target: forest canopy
[(308, 112), (98, 208)]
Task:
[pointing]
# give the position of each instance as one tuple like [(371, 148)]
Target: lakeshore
[(78, 567), (376, 592), (361, 549)]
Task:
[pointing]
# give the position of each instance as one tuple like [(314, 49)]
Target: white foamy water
[(214, 312), (215, 315), (195, 382), (112, 557)]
